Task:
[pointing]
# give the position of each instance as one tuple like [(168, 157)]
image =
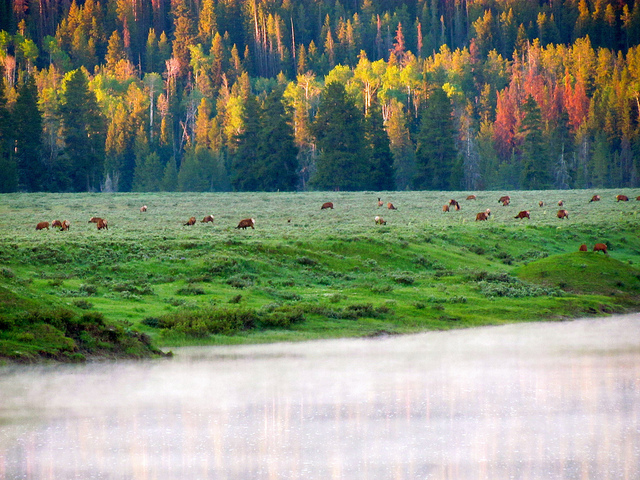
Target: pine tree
[(277, 162), (342, 163), (83, 130), (244, 164), (381, 177), (27, 133), (535, 173), (9, 176), (435, 149)]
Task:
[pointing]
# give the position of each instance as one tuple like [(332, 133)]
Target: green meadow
[(302, 273)]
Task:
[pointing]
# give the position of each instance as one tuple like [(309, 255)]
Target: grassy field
[(307, 273)]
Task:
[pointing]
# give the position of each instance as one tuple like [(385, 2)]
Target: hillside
[(306, 273)]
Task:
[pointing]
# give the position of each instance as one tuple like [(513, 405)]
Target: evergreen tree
[(83, 130), (27, 134), (342, 163), (277, 162), (170, 176), (535, 173), (381, 177), (9, 176), (435, 149), (244, 176)]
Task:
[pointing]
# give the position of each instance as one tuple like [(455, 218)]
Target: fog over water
[(529, 401)]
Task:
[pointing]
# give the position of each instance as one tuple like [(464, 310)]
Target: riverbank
[(305, 273)]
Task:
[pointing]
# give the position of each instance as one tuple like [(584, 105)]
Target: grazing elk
[(454, 204), (102, 224), (445, 208), (65, 225), (208, 218), (505, 200), (143, 208), (42, 226), (583, 248), (541, 203), (595, 198), (560, 203), (327, 205), (523, 214), (471, 197), (483, 215), (563, 214), (247, 222), (622, 198), (380, 221), (390, 206), (191, 221), (600, 247), (94, 220), (56, 223)]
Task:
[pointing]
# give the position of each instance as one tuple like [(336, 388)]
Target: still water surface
[(532, 401)]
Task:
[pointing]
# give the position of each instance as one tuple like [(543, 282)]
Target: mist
[(535, 400)]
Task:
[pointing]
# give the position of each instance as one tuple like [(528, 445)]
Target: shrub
[(403, 278), (83, 304), (241, 280), (309, 262), (88, 290), (6, 272), (190, 290), (153, 322), (235, 299)]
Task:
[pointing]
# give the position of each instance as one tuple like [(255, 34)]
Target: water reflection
[(523, 401)]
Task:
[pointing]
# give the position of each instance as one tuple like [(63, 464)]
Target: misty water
[(543, 400)]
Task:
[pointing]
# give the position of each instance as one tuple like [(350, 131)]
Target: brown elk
[(523, 214), (65, 225), (102, 224), (583, 248), (483, 215), (445, 208), (327, 205), (563, 214), (595, 198), (42, 226), (208, 218), (380, 202), (390, 206), (143, 208), (247, 222), (600, 247), (191, 221), (541, 203), (94, 220), (622, 198), (471, 197), (380, 221), (56, 223), (505, 200)]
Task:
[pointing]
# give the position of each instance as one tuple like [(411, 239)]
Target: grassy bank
[(307, 273)]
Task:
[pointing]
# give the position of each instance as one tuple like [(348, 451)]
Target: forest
[(293, 95)]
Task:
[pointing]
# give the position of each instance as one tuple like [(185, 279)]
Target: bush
[(83, 304), (309, 262), (241, 280), (403, 278), (190, 290)]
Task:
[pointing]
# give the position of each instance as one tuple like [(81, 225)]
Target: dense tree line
[(218, 95)]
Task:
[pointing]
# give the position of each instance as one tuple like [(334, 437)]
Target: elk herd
[(451, 205)]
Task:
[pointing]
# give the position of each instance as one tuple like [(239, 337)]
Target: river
[(525, 401)]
